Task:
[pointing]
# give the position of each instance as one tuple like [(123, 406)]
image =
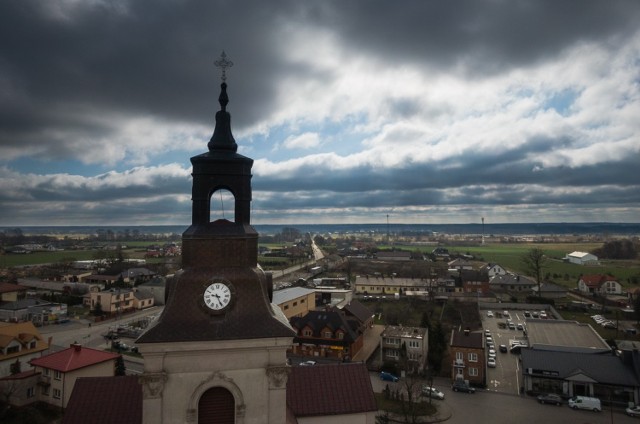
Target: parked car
[(432, 392), (386, 376), (307, 363), (462, 386), (550, 398), (584, 402), (492, 353), (489, 314), (503, 348), (633, 411), (491, 362)]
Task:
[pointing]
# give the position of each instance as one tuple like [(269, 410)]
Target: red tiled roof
[(20, 375), (105, 400), (73, 358), (596, 280), (10, 287), (330, 390)]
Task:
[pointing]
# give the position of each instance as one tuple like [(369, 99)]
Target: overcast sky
[(425, 111)]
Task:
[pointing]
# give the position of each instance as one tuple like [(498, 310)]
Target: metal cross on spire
[(223, 64)]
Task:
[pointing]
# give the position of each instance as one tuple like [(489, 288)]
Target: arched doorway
[(216, 406)]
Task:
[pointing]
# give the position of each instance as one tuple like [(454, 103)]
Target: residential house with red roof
[(599, 284), (59, 371)]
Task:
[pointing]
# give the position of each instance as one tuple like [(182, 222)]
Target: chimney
[(466, 331), (76, 346)]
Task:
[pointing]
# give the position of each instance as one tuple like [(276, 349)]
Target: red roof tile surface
[(105, 400), (330, 390), (73, 358)]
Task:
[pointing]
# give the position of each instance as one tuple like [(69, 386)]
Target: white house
[(600, 284), (494, 269), (582, 258)]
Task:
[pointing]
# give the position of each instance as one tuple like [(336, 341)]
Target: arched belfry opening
[(222, 205)]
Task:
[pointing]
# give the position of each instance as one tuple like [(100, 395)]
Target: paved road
[(486, 406)]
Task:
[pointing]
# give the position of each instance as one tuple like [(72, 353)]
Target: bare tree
[(534, 261)]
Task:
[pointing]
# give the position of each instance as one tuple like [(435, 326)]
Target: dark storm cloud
[(156, 56), (73, 72)]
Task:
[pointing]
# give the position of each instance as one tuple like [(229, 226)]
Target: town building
[(57, 372), (11, 292), (474, 281), (295, 301), (19, 344), (117, 301), (494, 269), (581, 258), (382, 285), (326, 334), (469, 360), (512, 283), (599, 284), (336, 393), (399, 344)]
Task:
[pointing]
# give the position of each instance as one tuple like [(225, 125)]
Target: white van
[(584, 402)]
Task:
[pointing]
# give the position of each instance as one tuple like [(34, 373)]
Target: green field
[(509, 256)]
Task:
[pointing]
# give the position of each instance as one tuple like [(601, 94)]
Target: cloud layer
[(427, 111)]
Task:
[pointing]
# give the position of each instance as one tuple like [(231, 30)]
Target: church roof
[(332, 389), (105, 400)]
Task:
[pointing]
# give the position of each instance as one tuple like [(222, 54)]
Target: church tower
[(217, 354)]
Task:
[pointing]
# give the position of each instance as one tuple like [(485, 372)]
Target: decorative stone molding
[(278, 377), (153, 384)]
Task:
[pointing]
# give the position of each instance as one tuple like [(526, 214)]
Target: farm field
[(509, 256)]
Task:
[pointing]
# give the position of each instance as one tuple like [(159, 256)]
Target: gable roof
[(332, 389), (73, 358), (10, 287), (105, 400), (468, 339), (23, 333), (596, 280), (577, 254), (358, 310), (512, 280), (318, 320)]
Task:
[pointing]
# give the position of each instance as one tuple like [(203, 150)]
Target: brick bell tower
[(217, 354)]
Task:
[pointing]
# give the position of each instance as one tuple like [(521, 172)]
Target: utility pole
[(387, 228), (483, 230)]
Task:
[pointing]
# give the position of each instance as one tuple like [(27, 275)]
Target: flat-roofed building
[(560, 334), (295, 301)]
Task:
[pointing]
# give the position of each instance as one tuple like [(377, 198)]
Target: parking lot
[(506, 375)]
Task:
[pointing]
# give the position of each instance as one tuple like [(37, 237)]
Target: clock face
[(217, 295)]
